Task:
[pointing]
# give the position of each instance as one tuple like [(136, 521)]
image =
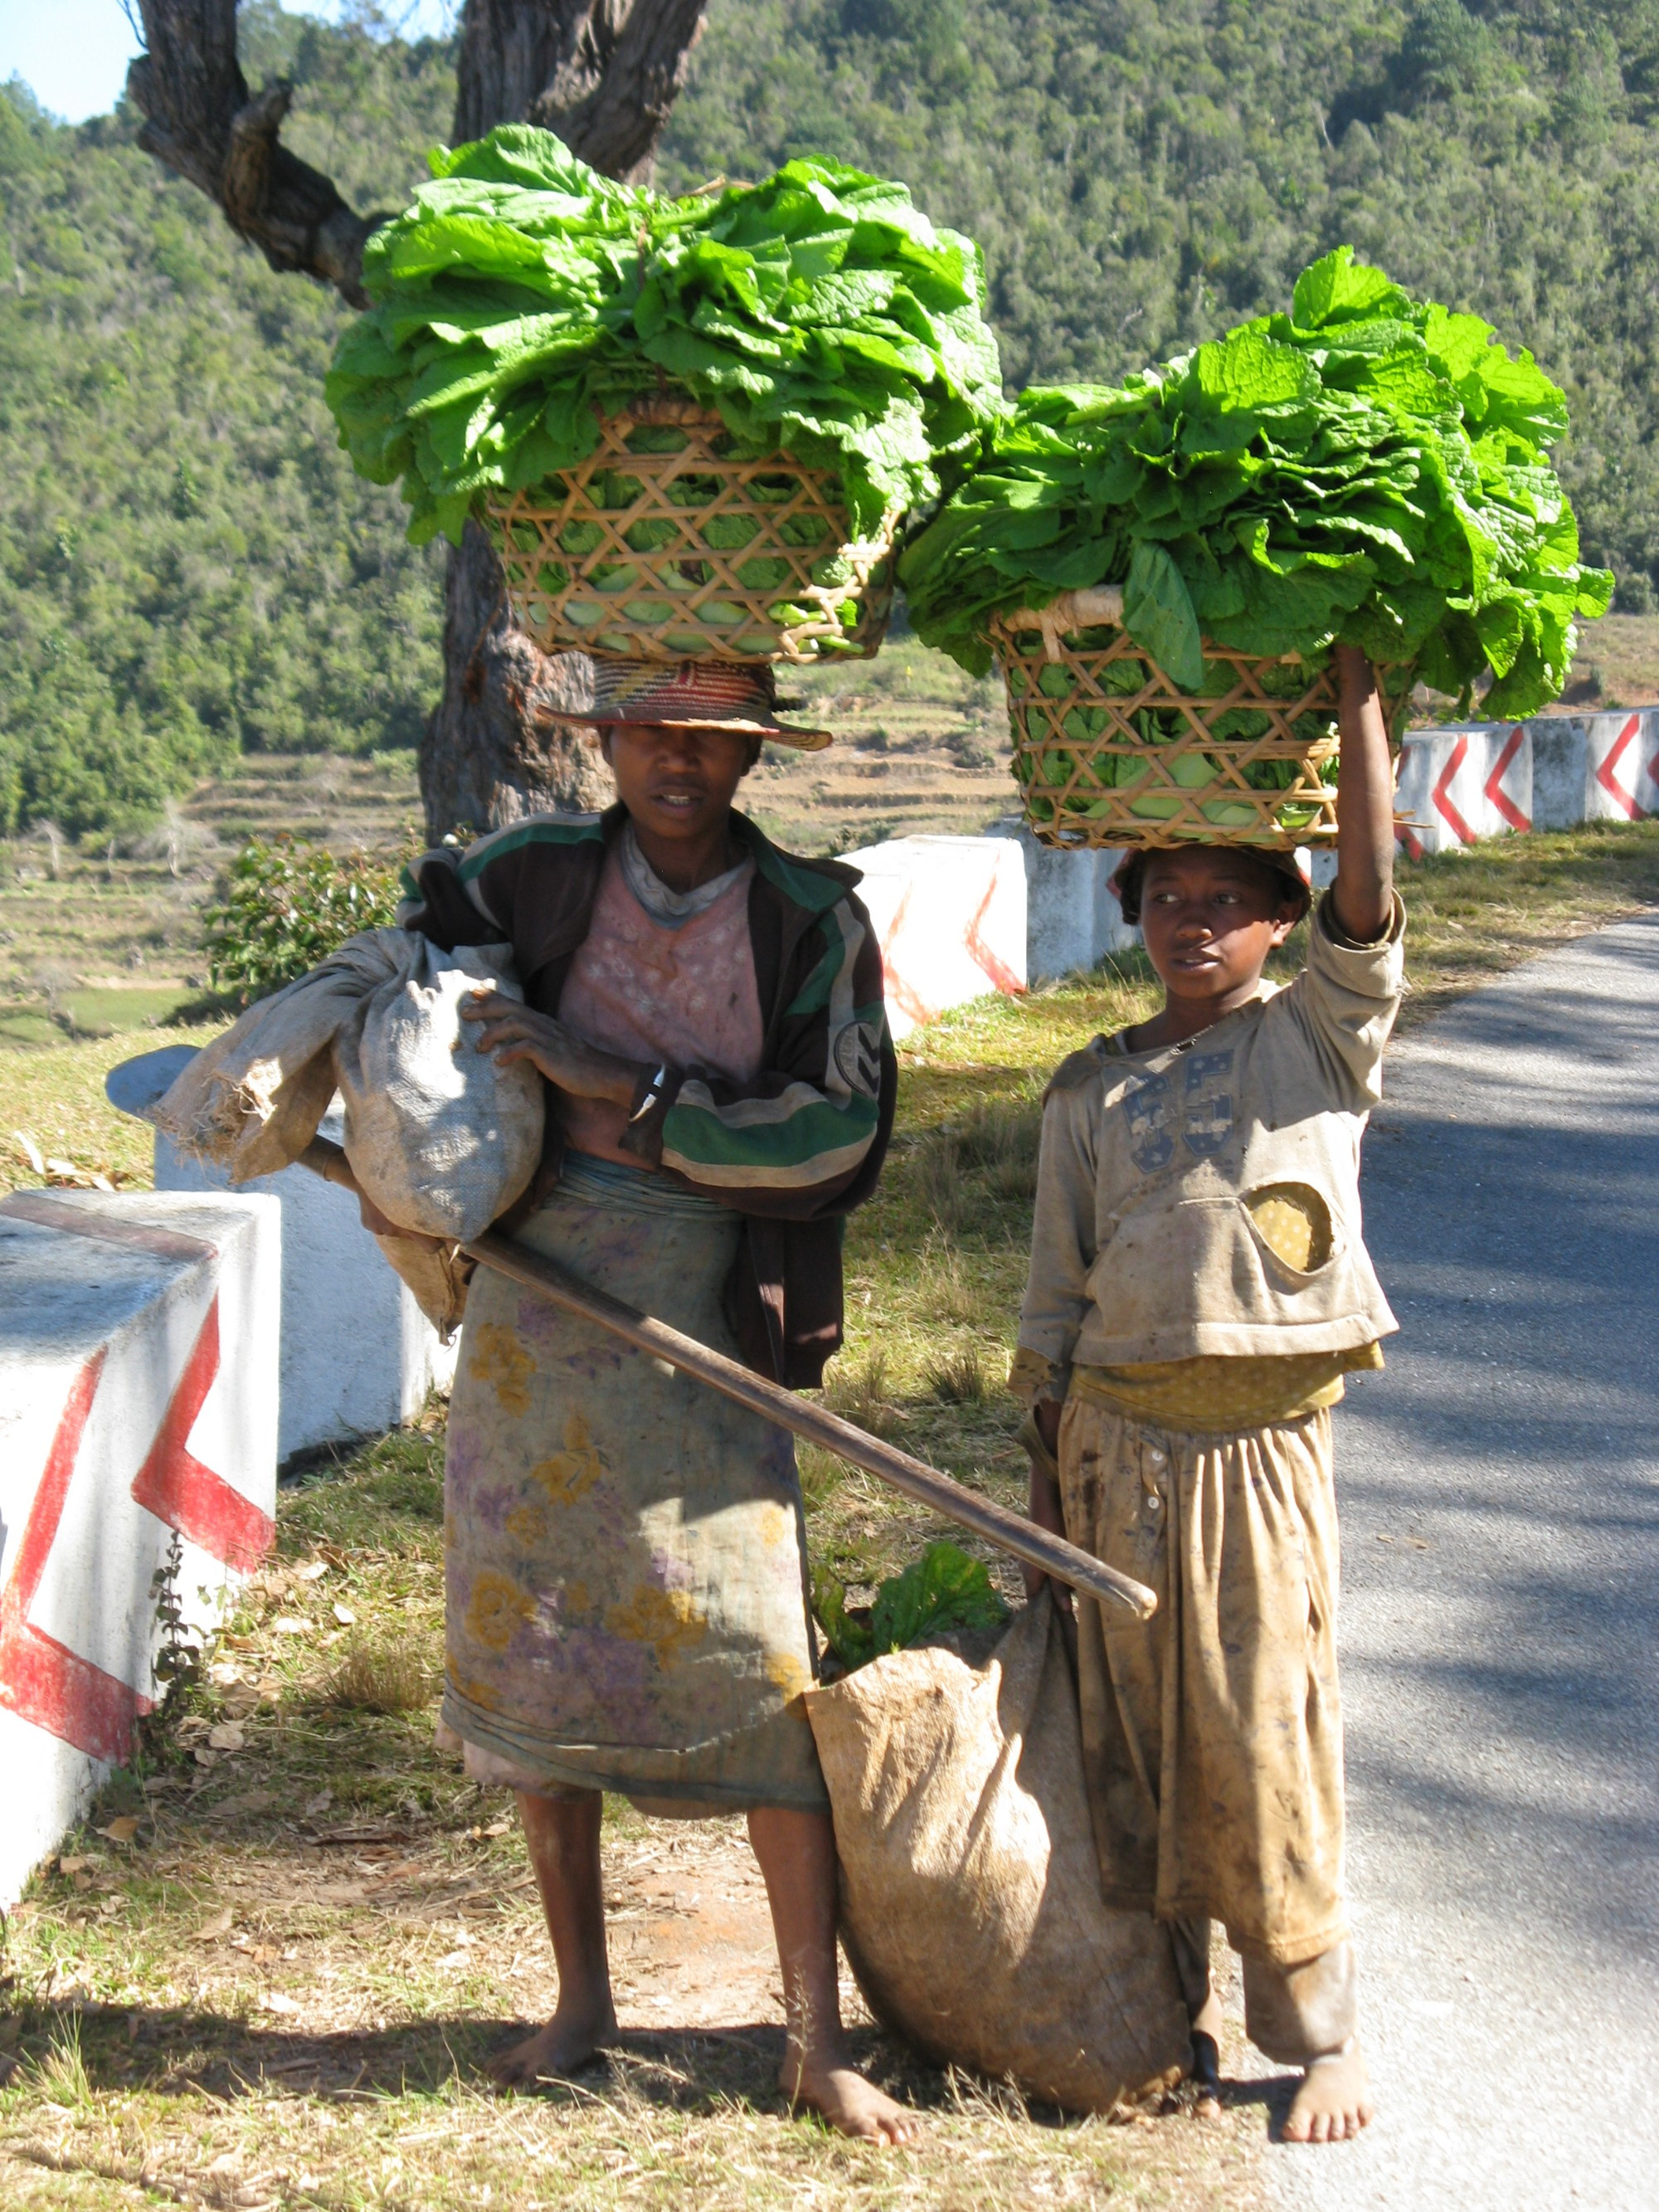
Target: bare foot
[(1334, 2101), (568, 2041), (1205, 2079), (850, 2104)]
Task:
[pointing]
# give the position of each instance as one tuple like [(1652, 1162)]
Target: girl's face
[(677, 784), (1210, 917)]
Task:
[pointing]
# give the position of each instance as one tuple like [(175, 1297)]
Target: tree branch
[(611, 102), (200, 123)]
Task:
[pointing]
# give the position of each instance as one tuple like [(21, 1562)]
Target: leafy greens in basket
[(818, 312), (1366, 469)]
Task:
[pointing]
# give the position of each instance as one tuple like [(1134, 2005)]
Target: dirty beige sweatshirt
[(1158, 1168)]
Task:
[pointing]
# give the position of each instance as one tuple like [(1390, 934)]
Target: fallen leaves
[(227, 1735), (237, 1807)]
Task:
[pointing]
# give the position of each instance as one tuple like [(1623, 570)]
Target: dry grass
[(381, 1674), (960, 1377)]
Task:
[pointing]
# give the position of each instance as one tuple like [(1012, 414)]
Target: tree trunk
[(604, 75)]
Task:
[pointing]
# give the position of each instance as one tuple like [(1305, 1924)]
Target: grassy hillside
[(189, 570), (187, 565)]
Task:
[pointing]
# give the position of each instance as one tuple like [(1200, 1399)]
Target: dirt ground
[(268, 1971)]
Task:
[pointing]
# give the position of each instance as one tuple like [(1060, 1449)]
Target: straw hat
[(691, 695)]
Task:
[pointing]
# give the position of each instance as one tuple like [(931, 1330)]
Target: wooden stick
[(952, 1500)]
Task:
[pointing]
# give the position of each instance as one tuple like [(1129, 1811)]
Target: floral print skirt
[(625, 1548)]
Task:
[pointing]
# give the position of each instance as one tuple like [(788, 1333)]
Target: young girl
[(1198, 1289), (624, 1549)]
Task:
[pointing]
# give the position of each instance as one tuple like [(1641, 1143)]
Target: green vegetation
[(819, 311), (943, 1592), (286, 905), (1144, 173), (188, 567), (1365, 467)]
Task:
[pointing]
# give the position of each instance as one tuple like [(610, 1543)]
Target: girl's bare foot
[(1206, 2076), (842, 2097), (1334, 2101), (568, 2040)]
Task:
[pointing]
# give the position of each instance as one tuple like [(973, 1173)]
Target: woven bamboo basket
[(663, 545), (1109, 750)]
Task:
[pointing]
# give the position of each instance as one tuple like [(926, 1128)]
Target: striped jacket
[(793, 1152)]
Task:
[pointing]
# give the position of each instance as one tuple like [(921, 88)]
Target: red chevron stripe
[(1499, 798), (1442, 792), (177, 1489), (996, 971), (41, 1681), (1608, 767)]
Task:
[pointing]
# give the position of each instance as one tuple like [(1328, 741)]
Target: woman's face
[(677, 784)]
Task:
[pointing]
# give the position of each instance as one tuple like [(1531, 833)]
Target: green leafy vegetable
[(1366, 469), (819, 313), (943, 1590)]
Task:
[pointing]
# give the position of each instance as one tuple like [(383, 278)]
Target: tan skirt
[(1212, 1734)]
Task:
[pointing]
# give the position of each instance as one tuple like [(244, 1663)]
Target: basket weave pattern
[(749, 562), (1091, 776)]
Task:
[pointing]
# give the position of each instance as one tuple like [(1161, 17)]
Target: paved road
[(1500, 1499)]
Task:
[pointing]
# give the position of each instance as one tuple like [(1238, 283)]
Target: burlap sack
[(440, 1137), (971, 1911)]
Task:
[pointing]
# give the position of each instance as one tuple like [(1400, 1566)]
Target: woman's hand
[(513, 1032)]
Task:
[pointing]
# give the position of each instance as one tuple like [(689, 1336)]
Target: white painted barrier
[(1489, 779), (1072, 917), (358, 1355), (951, 915), (137, 1399)]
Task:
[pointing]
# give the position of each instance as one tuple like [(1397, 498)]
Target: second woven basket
[(665, 546), (1109, 750)]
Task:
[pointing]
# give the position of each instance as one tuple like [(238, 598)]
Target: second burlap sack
[(971, 1909)]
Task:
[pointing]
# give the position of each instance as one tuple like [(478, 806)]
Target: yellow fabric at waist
[(1216, 1396)]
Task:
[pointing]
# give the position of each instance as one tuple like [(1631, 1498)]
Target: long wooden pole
[(1009, 1532)]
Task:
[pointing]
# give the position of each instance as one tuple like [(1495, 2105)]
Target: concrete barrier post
[(358, 1355), (952, 918), (1073, 919), (1621, 780), (137, 1403), (1473, 780)]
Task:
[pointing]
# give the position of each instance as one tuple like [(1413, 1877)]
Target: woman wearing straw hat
[(625, 1550)]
